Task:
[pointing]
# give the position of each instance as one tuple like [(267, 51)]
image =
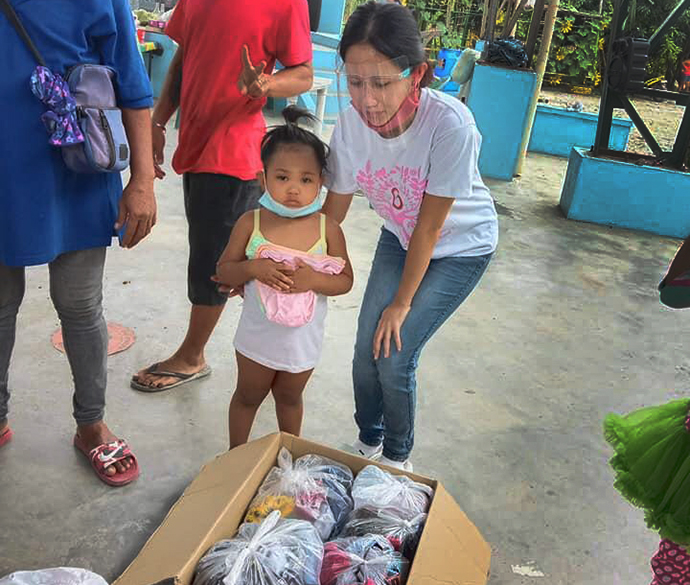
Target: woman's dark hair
[(291, 133), (391, 29)]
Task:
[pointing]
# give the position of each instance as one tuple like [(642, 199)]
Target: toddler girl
[(288, 257)]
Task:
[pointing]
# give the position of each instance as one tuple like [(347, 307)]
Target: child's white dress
[(284, 331)]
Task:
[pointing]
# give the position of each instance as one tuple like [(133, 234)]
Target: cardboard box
[(451, 549)]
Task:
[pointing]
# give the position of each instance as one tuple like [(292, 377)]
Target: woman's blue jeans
[(386, 389)]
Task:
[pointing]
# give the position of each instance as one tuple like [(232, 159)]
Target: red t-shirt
[(686, 67), (221, 130)]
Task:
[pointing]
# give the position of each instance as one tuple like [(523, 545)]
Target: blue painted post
[(332, 16)]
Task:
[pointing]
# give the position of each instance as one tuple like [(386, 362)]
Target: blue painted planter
[(556, 131), (626, 195), (499, 99), (160, 63)]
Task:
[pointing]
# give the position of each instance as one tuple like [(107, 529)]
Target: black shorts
[(213, 204)]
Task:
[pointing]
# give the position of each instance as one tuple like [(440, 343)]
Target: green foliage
[(576, 55), (576, 49), (664, 62), (588, 6)]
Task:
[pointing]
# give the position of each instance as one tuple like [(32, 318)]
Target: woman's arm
[(330, 285), (337, 206), (432, 215), (138, 203), (234, 269), (167, 104)]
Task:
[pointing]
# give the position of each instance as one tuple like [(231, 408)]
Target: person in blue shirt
[(51, 215)]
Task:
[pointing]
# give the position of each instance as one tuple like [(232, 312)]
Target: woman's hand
[(390, 324), (137, 211), (303, 278)]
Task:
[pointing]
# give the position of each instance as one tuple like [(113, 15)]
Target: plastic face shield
[(378, 82), (375, 88)]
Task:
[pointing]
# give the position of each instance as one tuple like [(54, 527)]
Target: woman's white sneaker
[(364, 450), (402, 465)]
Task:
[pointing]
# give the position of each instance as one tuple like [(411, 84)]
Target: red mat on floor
[(120, 338)]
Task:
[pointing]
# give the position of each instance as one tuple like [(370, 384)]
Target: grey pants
[(76, 288)]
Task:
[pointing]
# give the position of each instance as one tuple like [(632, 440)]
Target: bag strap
[(21, 31)]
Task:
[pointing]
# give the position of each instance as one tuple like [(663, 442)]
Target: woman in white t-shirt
[(413, 152)]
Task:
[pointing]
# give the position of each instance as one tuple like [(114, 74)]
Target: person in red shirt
[(223, 73), (685, 75)]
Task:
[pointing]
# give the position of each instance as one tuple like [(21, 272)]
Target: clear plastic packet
[(379, 490), (403, 534), (275, 552), (366, 560), (313, 488), (54, 576)]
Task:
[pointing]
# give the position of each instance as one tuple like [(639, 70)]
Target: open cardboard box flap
[(451, 549)]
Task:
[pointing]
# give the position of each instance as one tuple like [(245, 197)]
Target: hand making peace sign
[(253, 81)]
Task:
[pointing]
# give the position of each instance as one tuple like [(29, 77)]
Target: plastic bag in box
[(366, 560), (275, 552), (313, 488)]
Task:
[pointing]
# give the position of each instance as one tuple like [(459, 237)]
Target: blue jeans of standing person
[(386, 390)]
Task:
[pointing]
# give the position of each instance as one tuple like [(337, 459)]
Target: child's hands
[(304, 278), (273, 274)]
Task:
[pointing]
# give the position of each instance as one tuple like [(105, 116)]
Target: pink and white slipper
[(107, 454), (6, 436)]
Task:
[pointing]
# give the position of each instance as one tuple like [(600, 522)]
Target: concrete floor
[(565, 327)]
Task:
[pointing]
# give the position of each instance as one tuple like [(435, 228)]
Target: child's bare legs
[(254, 382), (287, 393)]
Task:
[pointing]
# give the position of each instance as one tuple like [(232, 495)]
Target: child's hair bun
[(292, 133), (293, 114)]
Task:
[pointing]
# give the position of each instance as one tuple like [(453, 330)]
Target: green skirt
[(652, 465)]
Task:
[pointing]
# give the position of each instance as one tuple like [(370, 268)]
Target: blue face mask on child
[(271, 204)]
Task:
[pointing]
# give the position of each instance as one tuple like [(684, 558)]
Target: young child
[(685, 75), (674, 288), (652, 466), (652, 455), (288, 257)]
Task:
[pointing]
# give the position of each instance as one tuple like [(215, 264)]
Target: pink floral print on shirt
[(396, 195)]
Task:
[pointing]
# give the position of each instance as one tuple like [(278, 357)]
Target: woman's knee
[(396, 370), (77, 305), (76, 285)]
